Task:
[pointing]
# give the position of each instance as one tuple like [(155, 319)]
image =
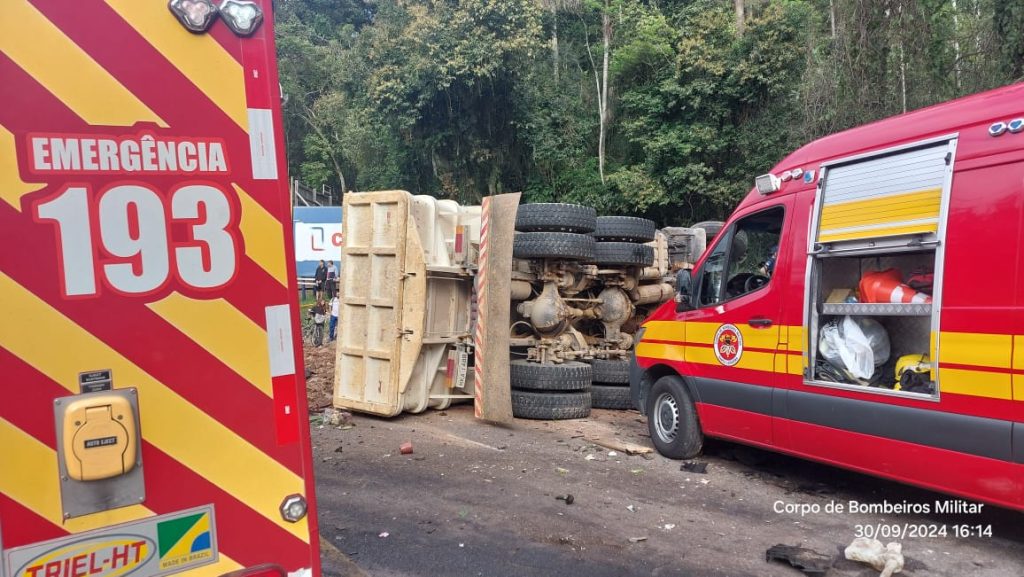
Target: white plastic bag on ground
[(887, 559)]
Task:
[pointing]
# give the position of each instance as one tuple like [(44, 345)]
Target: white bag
[(857, 343)]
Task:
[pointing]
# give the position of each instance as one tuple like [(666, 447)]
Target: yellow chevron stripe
[(56, 62), (12, 187), (198, 56), (33, 329), (226, 333), (33, 484), (264, 237)]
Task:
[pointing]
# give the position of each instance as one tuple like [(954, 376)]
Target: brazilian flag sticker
[(185, 541)]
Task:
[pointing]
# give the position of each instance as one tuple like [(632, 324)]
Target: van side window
[(745, 257)]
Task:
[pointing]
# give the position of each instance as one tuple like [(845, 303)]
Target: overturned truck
[(577, 287)]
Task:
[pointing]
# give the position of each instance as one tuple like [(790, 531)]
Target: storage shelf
[(877, 309)]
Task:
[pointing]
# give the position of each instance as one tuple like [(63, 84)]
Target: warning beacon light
[(767, 183), (195, 15), (241, 16)]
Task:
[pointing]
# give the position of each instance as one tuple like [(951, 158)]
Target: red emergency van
[(863, 307), (152, 421)]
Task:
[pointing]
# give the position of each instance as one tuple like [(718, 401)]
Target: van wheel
[(672, 419)]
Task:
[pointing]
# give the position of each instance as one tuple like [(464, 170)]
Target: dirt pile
[(319, 375)]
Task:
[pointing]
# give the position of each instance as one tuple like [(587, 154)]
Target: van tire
[(611, 397), (611, 372), (711, 228), (568, 376), (555, 245), (625, 229), (555, 217), (623, 254), (672, 419), (550, 406)]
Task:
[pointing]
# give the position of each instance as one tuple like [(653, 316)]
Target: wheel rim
[(666, 417)]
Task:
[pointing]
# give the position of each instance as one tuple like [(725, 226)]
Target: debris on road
[(694, 467), (637, 539), (561, 471), (620, 445), (808, 561), (888, 559), (338, 418), (406, 448), (670, 526), (384, 535), (569, 499), (631, 508)]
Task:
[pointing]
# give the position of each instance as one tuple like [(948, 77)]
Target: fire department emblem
[(728, 345)]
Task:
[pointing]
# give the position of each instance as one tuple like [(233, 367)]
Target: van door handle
[(759, 322)]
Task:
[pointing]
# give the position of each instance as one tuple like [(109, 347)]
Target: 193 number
[(135, 237)]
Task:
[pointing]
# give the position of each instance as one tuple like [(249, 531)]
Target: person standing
[(335, 305), (332, 279), (320, 278)]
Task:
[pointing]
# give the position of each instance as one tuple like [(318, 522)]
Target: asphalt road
[(475, 499)]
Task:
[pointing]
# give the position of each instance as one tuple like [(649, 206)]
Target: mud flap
[(492, 392)]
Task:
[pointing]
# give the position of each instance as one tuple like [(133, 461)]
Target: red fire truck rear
[(152, 420), (863, 307)]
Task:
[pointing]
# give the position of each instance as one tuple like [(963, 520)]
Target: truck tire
[(560, 245), (711, 228), (611, 372), (623, 254), (550, 406), (555, 217), (611, 397), (625, 229), (672, 419), (568, 376)]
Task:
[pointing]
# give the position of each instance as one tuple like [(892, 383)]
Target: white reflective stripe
[(261, 144), (897, 295), (301, 573), (921, 298), (279, 341)]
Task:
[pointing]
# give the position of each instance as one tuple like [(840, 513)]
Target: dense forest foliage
[(664, 108)]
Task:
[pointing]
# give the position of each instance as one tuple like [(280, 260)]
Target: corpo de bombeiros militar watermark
[(894, 528)]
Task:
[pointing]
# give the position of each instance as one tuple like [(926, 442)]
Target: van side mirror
[(684, 291)]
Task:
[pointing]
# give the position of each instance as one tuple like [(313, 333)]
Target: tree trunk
[(956, 47), (740, 16), (606, 24), (832, 16), (554, 39)]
